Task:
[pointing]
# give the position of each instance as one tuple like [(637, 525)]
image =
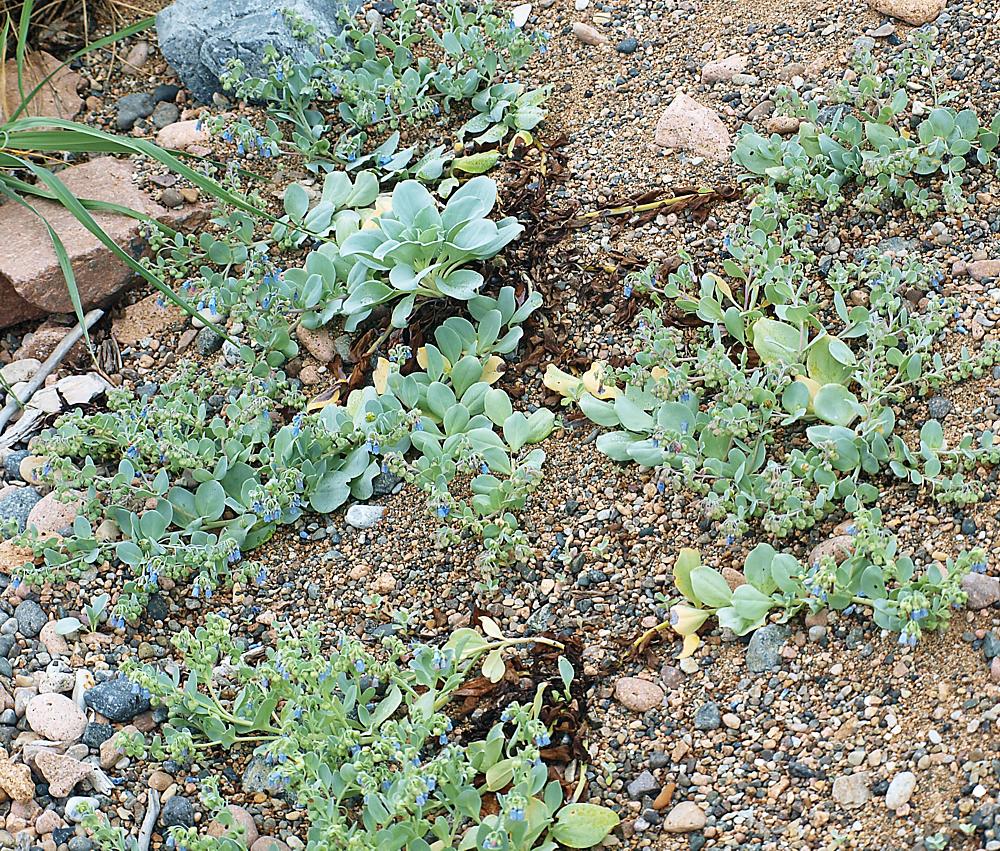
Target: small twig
[(149, 822), (46, 369)]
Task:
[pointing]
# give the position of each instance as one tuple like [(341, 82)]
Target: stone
[(178, 811), (259, 777), (31, 280), (319, 342), (638, 694), (96, 734), (685, 817), (243, 826), (50, 515), (644, 784), (915, 12), (783, 125), (131, 108), (74, 807), (115, 700), (995, 669), (267, 843), (587, 34), (851, 790), (165, 114), (16, 503), (48, 822), (58, 679), (734, 578), (764, 649), (56, 717), (207, 342), (723, 70), (385, 583), (671, 677), (900, 789), (110, 751), (54, 643), (160, 781), (136, 57), (707, 717), (991, 645), (200, 37), (58, 98), (165, 92), (364, 516), (519, 14), (688, 126), (15, 780), (938, 407), (30, 618), (62, 772), (838, 548), (181, 135), (983, 591), (15, 373), (980, 270), (627, 46)]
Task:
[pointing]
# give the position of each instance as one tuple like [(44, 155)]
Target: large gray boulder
[(200, 37)]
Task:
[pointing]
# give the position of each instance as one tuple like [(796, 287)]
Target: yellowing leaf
[(380, 376), (422, 360), (561, 382), (369, 217), (721, 285), (691, 643), (327, 397), (594, 383), (491, 370)]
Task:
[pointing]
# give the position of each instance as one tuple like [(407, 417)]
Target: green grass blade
[(22, 44), (25, 135)]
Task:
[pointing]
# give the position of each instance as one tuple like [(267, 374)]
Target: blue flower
[(359, 666), (443, 511), (978, 567), (516, 814), (542, 740)]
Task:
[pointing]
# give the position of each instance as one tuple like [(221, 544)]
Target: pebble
[(116, 701), (627, 46), (56, 717), (900, 789), (644, 784), (938, 407), (685, 817), (177, 812), (30, 618), (207, 342), (16, 505), (132, 107), (707, 717), (638, 694), (764, 650), (982, 590), (587, 34), (361, 516), (851, 790)]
